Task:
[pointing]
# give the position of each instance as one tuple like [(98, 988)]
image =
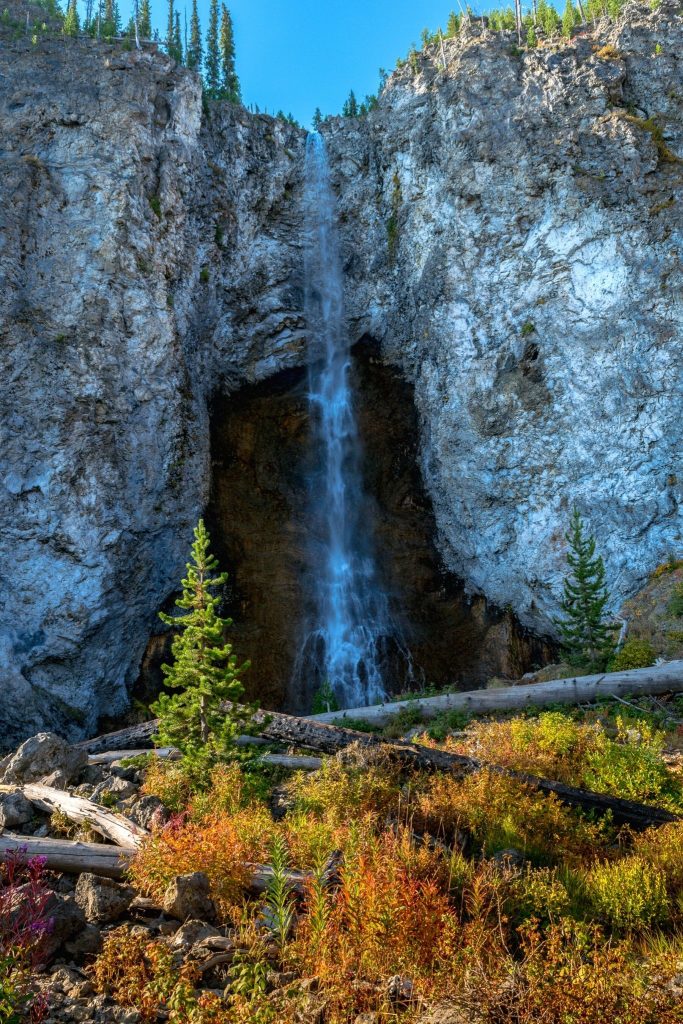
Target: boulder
[(149, 812), (15, 809), (193, 932), (102, 899), (112, 790), (188, 897), (400, 990), (41, 756), (67, 919), (87, 942)]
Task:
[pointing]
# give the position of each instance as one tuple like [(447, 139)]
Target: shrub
[(24, 922), (632, 768), (155, 203), (637, 652), (220, 846), (143, 974), (628, 894), (570, 975), (342, 790), (499, 813), (391, 915), (663, 849), (675, 606)]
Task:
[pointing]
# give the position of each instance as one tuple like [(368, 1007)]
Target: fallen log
[(70, 857), (330, 739), (664, 678), (109, 756), (139, 739), (296, 763), (116, 827)]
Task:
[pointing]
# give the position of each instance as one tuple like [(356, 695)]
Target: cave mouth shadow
[(258, 512)]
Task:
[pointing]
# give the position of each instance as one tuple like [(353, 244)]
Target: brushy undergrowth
[(476, 891)]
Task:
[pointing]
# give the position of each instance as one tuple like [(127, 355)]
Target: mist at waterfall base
[(351, 639)]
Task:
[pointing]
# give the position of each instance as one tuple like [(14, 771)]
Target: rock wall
[(511, 226), (149, 256), (513, 239)]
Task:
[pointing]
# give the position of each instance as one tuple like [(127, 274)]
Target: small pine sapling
[(204, 668), (584, 631)]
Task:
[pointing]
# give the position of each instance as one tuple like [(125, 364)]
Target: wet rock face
[(510, 239)]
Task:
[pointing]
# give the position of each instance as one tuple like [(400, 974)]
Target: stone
[(193, 932), (15, 809), (87, 942), (113, 790), (102, 899), (67, 920), (400, 989), (40, 756), (187, 896), (149, 812)]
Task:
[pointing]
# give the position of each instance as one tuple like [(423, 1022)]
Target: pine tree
[(109, 24), (230, 85), (71, 25), (585, 634), (212, 61), (177, 40), (145, 21), (453, 25), (170, 27), (204, 668), (194, 50), (350, 108), (531, 40), (317, 119), (568, 19)]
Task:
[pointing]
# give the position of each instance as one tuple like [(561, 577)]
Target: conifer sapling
[(584, 631), (204, 668)]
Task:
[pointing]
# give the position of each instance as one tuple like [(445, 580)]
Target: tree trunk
[(116, 827), (71, 857), (664, 678)]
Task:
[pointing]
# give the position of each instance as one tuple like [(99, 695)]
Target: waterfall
[(350, 632)]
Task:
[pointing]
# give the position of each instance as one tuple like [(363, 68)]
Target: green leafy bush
[(629, 894), (637, 652), (675, 606)]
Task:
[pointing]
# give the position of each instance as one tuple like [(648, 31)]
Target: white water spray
[(350, 633)]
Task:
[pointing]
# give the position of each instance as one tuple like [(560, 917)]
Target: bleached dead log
[(116, 827), (71, 857), (296, 763), (664, 678), (109, 756)]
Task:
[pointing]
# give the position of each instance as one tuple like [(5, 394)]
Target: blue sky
[(299, 54)]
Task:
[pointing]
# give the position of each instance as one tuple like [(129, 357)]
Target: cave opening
[(258, 517)]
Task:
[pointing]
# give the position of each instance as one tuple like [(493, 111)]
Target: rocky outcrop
[(148, 257), (513, 239), (512, 242)]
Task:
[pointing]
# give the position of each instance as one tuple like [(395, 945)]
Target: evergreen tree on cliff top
[(204, 668), (230, 85), (194, 49), (212, 61), (145, 22), (585, 633)]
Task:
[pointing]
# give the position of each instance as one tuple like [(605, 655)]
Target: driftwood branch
[(665, 678), (116, 827), (71, 857)]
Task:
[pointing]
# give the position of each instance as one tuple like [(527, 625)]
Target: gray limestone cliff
[(511, 229)]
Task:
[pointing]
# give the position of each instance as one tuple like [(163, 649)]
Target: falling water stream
[(350, 632)]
